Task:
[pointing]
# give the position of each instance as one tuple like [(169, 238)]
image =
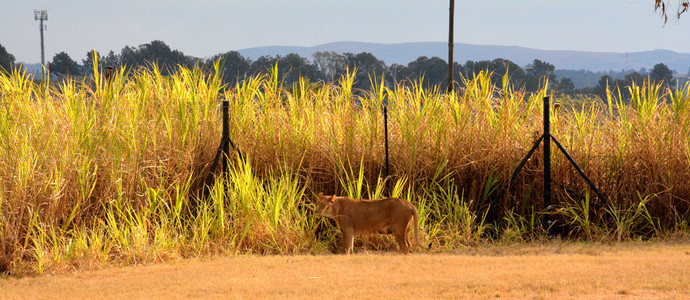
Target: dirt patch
[(570, 271)]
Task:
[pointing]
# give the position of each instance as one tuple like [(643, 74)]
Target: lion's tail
[(416, 228)]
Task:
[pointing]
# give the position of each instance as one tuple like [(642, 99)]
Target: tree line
[(322, 67), (330, 66)]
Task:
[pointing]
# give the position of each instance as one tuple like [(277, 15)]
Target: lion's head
[(324, 205)]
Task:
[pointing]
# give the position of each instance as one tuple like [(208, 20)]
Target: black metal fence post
[(385, 129), (223, 152), (226, 135), (547, 138), (547, 164), (547, 153)]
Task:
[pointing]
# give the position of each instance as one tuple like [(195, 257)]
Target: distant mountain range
[(404, 53)]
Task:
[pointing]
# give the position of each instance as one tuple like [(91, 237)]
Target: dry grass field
[(553, 270)]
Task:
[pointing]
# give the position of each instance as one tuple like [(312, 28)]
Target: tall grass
[(111, 171)]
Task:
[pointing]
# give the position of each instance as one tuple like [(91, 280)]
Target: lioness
[(356, 217)]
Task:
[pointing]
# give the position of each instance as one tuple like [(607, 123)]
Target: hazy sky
[(206, 27)]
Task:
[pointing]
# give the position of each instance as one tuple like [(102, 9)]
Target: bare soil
[(552, 270)]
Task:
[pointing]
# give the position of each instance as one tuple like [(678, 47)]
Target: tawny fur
[(357, 217)]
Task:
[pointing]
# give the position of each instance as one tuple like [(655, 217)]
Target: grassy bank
[(111, 171)]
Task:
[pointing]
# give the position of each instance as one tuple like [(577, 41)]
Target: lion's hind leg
[(407, 236), (402, 243)]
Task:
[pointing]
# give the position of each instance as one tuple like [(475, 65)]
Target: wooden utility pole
[(450, 46)]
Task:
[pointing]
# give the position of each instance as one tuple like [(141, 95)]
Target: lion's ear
[(320, 195), (332, 199)]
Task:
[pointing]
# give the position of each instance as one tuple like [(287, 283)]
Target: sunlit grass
[(111, 171)]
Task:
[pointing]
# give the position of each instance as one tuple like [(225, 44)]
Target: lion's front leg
[(346, 244), (348, 232)]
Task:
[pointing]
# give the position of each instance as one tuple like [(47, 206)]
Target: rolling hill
[(403, 53)]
